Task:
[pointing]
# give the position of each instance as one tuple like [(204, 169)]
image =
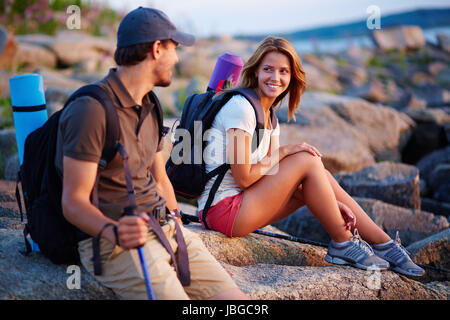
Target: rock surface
[(265, 281), (392, 183), (435, 251), (262, 266), (8, 147), (345, 152), (428, 135), (34, 56), (71, 47), (257, 249), (35, 277), (399, 38), (350, 132)]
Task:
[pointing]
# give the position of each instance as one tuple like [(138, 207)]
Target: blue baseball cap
[(148, 25)]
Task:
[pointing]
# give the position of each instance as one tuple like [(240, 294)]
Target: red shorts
[(221, 216)]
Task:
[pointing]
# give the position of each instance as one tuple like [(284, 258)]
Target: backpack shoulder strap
[(253, 98), (112, 119), (274, 119), (159, 113)]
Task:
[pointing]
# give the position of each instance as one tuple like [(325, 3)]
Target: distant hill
[(425, 18)]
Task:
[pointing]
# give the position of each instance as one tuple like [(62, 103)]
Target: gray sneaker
[(357, 253), (398, 258)]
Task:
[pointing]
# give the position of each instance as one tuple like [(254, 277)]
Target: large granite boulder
[(267, 281), (399, 38), (428, 135), (255, 249), (350, 132), (444, 42), (8, 51), (434, 172), (373, 91), (32, 56), (340, 145), (35, 277), (439, 182), (435, 95), (427, 164), (318, 80), (382, 127), (58, 88), (72, 47), (8, 147), (12, 167), (393, 183), (4, 89), (434, 251)]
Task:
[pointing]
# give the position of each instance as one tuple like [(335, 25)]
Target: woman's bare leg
[(263, 201), (367, 228), (294, 203)]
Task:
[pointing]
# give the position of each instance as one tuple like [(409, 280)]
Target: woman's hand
[(301, 147), (347, 214), (133, 230)]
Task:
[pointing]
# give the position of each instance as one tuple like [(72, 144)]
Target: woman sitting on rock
[(274, 181)]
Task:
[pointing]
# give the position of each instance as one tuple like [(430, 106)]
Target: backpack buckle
[(102, 164), (160, 214)]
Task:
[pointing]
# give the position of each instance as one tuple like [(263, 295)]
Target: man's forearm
[(88, 218), (165, 190)]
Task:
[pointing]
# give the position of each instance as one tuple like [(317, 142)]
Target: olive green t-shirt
[(81, 135)]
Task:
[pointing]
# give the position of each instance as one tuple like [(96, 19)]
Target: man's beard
[(165, 78), (163, 83)]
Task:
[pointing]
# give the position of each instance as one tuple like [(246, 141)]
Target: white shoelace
[(398, 242), (361, 243)]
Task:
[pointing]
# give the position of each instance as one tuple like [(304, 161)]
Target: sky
[(217, 17)]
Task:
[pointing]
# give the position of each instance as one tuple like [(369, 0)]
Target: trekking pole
[(148, 282), (290, 238), (186, 218)]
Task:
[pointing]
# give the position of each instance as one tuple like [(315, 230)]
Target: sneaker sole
[(339, 261), (401, 271)]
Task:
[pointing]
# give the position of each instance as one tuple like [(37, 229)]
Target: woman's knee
[(306, 160), (298, 195)]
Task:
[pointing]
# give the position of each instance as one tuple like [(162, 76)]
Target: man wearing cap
[(145, 55)]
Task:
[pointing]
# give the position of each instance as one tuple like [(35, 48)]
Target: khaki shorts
[(122, 271)]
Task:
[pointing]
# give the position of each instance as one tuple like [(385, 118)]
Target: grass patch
[(375, 62), (341, 62), (6, 116), (192, 202)]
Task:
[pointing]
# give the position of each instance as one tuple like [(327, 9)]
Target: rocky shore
[(380, 117)]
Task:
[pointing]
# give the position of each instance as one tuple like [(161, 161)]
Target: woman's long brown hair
[(297, 84)]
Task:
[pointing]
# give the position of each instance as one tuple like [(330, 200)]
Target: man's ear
[(156, 49)]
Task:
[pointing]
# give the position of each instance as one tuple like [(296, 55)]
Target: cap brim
[(183, 38)]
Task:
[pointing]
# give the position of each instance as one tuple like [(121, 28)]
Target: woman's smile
[(273, 75)]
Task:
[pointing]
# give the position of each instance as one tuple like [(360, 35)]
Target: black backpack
[(42, 186), (189, 178)]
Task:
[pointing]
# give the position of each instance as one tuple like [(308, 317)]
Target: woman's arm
[(274, 144), (163, 185), (239, 151)]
